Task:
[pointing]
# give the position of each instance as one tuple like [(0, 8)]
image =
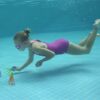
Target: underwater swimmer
[(49, 50)]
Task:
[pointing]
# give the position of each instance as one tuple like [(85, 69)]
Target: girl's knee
[(87, 50)]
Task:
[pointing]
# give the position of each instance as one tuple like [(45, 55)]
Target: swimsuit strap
[(32, 41), (35, 41)]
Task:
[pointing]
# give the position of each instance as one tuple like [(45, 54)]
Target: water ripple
[(34, 1), (62, 4)]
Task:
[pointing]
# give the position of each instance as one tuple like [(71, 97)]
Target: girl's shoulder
[(35, 41), (32, 41), (38, 43)]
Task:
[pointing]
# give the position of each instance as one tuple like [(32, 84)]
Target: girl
[(49, 50)]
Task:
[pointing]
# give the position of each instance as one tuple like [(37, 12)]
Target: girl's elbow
[(30, 60), (52, 55)]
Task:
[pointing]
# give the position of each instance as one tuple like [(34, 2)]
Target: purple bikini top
[(18, 46)]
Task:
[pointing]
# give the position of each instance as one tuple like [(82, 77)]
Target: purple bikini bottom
[(59, 46)]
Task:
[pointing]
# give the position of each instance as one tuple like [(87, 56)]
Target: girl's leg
[(80, 49), (76, 49), (84, 41), (91, 38)]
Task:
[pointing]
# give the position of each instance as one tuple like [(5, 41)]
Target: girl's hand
[(14, 68), (18, 69), (39, 63)]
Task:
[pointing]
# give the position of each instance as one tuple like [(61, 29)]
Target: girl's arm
[(29, 61), (44, 52)]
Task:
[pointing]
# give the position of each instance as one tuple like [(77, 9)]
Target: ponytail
[(27, 31)]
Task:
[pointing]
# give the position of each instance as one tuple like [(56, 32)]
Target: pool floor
[(65, 77)]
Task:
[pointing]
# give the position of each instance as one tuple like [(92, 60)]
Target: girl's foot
[(98, 34), (97, 23)]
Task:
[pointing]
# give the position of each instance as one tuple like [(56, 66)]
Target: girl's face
[(20, 45)]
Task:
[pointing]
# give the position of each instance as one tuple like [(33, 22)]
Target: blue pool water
[(65, 77)]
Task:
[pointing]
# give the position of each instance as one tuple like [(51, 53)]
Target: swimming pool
[(65, 77)]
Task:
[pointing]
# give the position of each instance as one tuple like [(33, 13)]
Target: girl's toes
[(97, 23)]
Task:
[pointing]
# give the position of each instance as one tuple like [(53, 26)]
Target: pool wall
[(47, 15)]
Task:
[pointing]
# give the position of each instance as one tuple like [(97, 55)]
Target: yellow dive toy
[(11, 80)]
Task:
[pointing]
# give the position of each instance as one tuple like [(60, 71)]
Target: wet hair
[(22, 36), (38, 40)]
